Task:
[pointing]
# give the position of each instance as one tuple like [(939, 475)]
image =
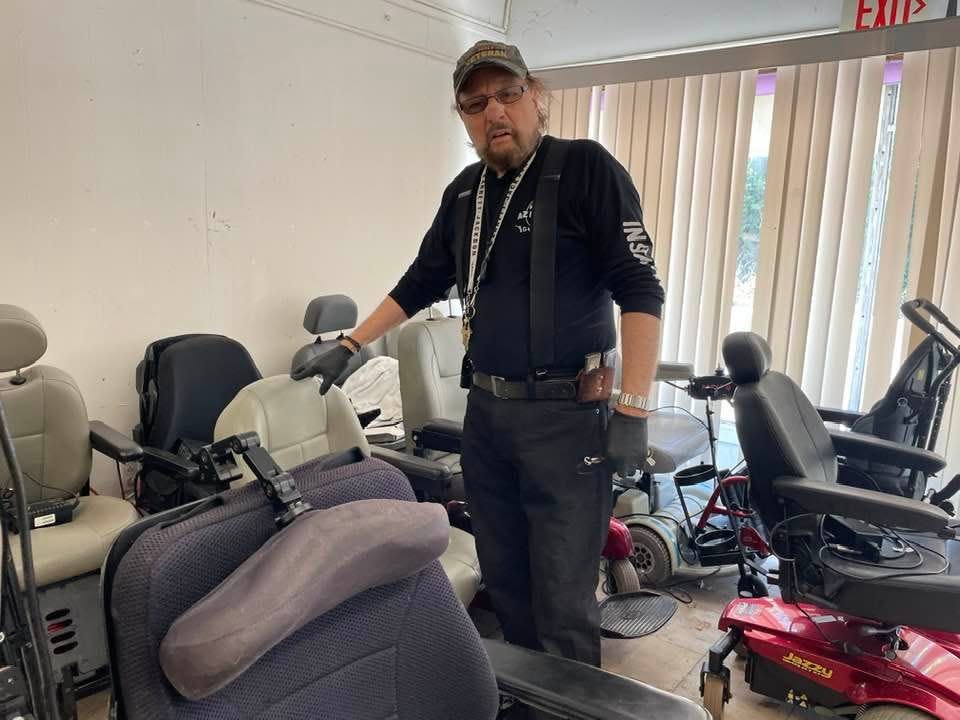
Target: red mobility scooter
[(867, 625)]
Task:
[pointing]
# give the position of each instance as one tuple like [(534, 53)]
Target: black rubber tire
[(653, 563), (623, 576), (893, 712)]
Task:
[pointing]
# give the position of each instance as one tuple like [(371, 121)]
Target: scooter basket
[(694, 475)]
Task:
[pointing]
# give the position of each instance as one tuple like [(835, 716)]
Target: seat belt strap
[(543, 259), (461, 223)]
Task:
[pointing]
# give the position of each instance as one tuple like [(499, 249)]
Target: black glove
[(626, 443), (328, 366)]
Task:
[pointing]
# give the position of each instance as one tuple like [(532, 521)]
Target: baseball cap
[(488, 53)]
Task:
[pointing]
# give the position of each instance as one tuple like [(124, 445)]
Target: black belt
[(533, 389)]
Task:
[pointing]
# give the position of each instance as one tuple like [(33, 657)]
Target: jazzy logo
[(638, 241), (808, 666)]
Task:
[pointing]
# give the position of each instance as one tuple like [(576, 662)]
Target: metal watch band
[(638, 402)]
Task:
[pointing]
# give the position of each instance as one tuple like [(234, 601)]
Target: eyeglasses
[(506, 96)]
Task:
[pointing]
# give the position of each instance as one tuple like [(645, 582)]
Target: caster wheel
[(714, 695), (623, 576), (652, 557)]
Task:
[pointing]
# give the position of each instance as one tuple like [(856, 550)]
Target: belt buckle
[(495, 385)]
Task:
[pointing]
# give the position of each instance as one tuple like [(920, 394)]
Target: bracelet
[(353, 343)]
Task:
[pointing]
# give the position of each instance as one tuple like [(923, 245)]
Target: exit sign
[(873, 14)]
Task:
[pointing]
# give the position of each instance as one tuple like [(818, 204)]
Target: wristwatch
[(637, 402)]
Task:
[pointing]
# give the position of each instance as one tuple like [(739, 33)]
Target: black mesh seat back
[(406, 650), (896, 416), (196, 379)]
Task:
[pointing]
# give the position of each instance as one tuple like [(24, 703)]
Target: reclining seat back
[(51, 434), (897, 415), (294, 422), (780, 432), (431, 356), (194, 379), (405, 650)]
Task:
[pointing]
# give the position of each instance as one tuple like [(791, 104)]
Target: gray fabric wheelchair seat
[(305, 570), (404, 650)]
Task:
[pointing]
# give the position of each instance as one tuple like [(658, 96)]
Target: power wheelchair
[(866, 625)]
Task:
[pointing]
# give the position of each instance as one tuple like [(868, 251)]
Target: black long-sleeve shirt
[(604, 255)]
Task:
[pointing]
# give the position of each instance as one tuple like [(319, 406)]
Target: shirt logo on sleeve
[(638, 241)]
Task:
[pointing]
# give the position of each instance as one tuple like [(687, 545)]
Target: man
[(532, 456)]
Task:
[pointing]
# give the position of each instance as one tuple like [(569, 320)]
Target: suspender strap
[(543, 258), (461, 221)]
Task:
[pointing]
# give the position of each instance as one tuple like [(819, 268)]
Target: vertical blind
[(685, 142)]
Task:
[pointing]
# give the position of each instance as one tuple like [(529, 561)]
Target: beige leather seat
[(430, 353), (51, 433), (295, 424)]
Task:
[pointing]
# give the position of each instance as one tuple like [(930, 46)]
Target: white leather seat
[(295, 424), (431, 355)]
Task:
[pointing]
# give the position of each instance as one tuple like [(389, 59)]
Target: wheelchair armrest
[(426, 476), (439, 434), (574, 690), (113, 443), (167, 462), (673, 371), (837, 415), (858, 504), (868, 447)]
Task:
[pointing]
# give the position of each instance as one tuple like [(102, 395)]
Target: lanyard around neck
[(473, 277)]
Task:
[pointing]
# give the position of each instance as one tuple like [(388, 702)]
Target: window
[(745, 280), (873, 233), (741, 313)]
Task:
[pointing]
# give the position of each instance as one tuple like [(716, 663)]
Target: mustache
[(498, 128)]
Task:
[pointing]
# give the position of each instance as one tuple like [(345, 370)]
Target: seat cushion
[(460, 564), (78, 547), (675, 438)]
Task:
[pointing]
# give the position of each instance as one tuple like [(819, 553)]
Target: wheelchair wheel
[(652, 557), (623, 576), (893, 712), (714, 695)]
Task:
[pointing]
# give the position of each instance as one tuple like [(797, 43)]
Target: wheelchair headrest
[(747, 356), (329, 313), (22, 340), (310, 567)]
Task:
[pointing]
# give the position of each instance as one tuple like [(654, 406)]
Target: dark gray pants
[(540, 517)]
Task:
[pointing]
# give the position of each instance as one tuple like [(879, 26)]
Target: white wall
[(211, 165), (558, 32)]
